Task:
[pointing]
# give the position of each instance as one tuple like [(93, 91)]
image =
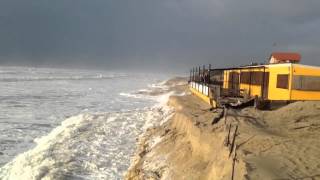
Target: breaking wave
[(99, 76), (88, 146)]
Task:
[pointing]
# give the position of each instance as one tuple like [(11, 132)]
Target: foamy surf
[(147, 142), (84, 147), (88, 146)]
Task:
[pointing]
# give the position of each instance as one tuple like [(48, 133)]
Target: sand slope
[(278, 144)]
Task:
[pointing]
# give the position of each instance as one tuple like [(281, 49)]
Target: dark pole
[(203, 74), (209, 74), (200, 74), (193, 73), (263, 82), (203, 79)]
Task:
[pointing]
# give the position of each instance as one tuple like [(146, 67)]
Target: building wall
[(306, 71), (252, 89), (246, 88), (309, 89), (274, 92)]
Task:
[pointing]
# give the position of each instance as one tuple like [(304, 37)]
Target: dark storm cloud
[(156, 33)]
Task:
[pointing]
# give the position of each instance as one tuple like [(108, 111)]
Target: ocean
[(74, 124)]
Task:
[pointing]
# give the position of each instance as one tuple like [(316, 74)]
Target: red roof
[(283, 56)]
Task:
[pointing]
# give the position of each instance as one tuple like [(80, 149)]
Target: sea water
[(73, 124)]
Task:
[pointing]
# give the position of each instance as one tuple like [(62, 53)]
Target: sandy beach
[(198, 142)]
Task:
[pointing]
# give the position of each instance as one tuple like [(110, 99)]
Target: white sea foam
[(130, 95), (159, 85), (158, 162), (88, 146), (84, 146)]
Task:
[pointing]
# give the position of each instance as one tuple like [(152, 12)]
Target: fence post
[(199, 73), (233, 140), (234, 159), (199, 78), (209, 74), (193, 73)]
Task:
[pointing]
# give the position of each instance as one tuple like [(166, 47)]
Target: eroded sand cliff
[(278, 144)]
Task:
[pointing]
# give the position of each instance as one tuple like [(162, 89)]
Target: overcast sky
[(156, 34)]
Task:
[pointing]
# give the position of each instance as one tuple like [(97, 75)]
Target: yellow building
[(274, 82), (281, 81)]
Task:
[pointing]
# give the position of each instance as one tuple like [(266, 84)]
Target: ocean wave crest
[(75, 78), (87, 146)]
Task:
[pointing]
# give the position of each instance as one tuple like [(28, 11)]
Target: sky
[(156, 34)]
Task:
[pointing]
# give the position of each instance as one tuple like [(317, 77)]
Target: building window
[(253, 77), (256, 78), (306, 83), (245, 78), (283, 81)]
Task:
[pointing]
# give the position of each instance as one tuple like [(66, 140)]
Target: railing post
[(192, 74), (202, 80), (203, 77), (203, 74), (209, 74), (199, 73), (195, 74), (199, 79)]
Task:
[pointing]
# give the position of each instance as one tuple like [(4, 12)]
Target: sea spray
[(88, 146), (147, 141)]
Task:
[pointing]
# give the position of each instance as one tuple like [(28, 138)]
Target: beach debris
[(233, 140), (143, 153), (225, 114), (234, 160), (227, 140), (216, 119)]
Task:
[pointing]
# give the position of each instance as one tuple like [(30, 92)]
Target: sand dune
[(277, 144)]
